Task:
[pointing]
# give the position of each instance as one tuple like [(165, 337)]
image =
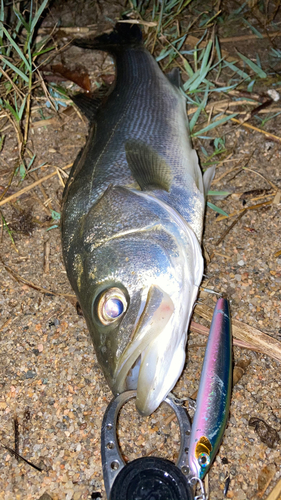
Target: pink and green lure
[(212, 405)]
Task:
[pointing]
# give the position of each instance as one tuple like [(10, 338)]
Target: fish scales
[(132, 223)]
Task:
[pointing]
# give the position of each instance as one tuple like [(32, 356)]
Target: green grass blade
[(237, 11), (21, 19), (17, 49), (216, 209), (201, 77), (22, 171), (252, 28), (16, 70), (267, 118), (37, 15), (251, 86), (12, 110), (22, 108), (31, 161), (252, 65), (7, 228), (206, 56), (43, 51), (188, 68), (239, 72), (2, 138), (200, 108), (186, 85), (218, 193), (218, 49), (30, 11), (2, 13), (224, 89), (55, 215), (196, 115), (214, 124)]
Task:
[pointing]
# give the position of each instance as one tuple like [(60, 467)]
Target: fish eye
[(111, 305), (204, 460)]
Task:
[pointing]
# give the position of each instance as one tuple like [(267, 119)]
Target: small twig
[(249, 37), (13, 452), (45, 196), (224, 256), (4, 223), (203, 330), (193, 42), (228, 229), (35, 195), (16, 429), (251, 207), (267, 483), (150, 24), (263, 177), (16, 89), (226, 173), (46, 257), (45, 123), (6, 324), (46, 92), (252, 336), (226, 103), (18, 134), (27, 114), (60, 178), (79, 30), (9, 183), (31, 186), (169, 419), (20, 279), (276, 492), (268, 134)]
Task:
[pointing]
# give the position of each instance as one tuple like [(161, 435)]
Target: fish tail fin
[(124, 35)]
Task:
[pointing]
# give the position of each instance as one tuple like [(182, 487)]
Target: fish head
[(136, 286)]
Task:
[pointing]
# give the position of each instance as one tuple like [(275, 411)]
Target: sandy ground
[(52, 388)]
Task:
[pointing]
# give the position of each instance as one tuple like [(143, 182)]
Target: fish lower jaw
[(153, 376)]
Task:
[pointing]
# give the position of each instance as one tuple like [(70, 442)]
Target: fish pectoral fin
[(147, 166), (88, 104), (174, 77), (207, 178)]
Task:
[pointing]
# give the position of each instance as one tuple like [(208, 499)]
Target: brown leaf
[(78, 75)]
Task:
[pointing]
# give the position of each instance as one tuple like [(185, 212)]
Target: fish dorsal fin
[(174, 77), (148, 168), (87, 104)]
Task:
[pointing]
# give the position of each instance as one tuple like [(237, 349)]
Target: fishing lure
[(213, 400)]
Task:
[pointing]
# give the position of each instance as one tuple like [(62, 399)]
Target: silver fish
[(132, 223)]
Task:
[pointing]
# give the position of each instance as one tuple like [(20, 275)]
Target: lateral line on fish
[(124, 233), (110, 138)]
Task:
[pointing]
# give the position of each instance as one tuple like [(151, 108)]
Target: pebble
[(30, 374), (45, 496)]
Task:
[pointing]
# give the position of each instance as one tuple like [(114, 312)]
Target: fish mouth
[(154, 359)]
